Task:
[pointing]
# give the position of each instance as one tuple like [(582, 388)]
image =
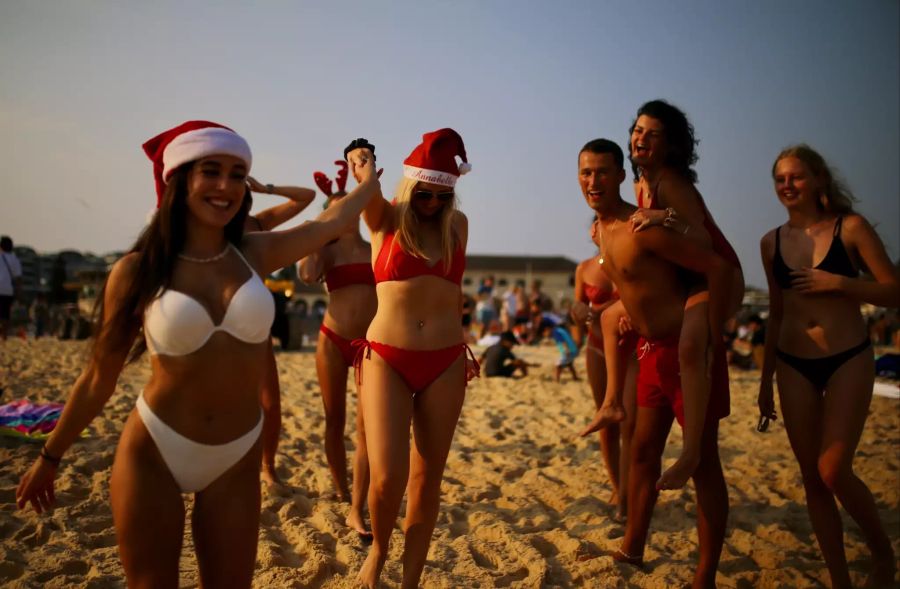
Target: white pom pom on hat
[(434, 160), (191, 141)]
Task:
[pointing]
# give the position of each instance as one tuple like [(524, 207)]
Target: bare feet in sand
[(620, 556), (371, 569), (619, 505), (883, 571), (677, 475), (269, 476), (356, 522), (605, 416)]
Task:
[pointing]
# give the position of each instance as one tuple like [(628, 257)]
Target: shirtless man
[(645, 266)]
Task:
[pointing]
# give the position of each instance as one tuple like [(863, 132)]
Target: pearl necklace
[(214, 258)]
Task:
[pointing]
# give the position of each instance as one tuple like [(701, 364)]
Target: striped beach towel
[(24, 419)]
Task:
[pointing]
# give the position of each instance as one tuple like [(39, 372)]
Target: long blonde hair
[(836, 196), (406, 233)]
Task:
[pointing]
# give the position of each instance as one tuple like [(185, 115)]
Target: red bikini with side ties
[(417, 368)]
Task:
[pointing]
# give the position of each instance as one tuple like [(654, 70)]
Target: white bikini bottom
[(194, 466)]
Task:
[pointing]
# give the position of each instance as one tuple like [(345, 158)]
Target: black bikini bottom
[(818, 371)]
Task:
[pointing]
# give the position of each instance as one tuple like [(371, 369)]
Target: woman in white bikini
[(190, 292)]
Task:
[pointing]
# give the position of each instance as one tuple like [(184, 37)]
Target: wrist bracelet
[(48, 457), (270, 188)]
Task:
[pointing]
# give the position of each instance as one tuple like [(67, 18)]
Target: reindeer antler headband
[(324, 182)]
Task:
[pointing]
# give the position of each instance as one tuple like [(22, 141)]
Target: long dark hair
[(681, 152), (157, 249)]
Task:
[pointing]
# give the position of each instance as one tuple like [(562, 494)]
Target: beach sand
[(524, 500)]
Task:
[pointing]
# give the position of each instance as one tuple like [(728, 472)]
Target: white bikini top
[(176, 324)]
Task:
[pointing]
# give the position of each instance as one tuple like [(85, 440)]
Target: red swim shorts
[(659, 379)]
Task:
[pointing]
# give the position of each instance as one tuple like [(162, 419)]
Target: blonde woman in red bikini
[(413, 364)]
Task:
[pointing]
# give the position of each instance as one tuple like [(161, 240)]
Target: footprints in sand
[(501, 557)]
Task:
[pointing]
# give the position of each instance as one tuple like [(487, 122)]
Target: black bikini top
[(836, 261)]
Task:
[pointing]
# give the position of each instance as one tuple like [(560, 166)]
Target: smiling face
[(216, 186), (647, 145), (795, 184), (599, 177), (428, 199)]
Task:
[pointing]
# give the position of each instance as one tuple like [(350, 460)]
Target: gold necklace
[(601, 258)]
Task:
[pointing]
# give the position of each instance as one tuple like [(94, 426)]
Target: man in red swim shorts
[(645, 267), (659, 379)]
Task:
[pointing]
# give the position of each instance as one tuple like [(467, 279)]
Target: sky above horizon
[(525, 83)]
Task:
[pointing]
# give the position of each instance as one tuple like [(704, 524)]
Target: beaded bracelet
[(49, 457)]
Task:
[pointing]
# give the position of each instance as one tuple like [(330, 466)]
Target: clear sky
[(525, 83)]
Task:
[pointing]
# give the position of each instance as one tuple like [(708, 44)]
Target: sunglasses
[(426, 195)]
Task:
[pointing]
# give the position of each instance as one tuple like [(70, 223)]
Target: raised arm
[(883, 291), (298, 199), (377, 212), (90, 393), (278, 249)]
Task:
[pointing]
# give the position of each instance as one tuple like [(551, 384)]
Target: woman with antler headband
[(345, 266)]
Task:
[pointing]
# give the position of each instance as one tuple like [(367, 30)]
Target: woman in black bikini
[(818, 348)]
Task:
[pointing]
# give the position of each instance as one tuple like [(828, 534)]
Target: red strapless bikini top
[(597, 295), (347, 274), (395, 264)]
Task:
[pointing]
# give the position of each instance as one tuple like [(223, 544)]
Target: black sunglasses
[(426, 195)]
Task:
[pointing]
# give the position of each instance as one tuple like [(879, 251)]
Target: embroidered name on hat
[(433, 176)]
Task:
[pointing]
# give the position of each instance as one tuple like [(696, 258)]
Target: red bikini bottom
[(595, 341), (343, 344), (417, 368)]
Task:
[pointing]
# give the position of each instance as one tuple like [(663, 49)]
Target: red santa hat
[(434, 160), (188, 142)]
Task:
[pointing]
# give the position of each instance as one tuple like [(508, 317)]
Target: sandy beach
[(524, 500)]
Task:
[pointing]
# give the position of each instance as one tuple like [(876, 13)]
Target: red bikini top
[(597, 295), (395, 264), (348, 274)]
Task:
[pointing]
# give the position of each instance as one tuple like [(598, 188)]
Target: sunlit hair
[(157, 249), (678, 132), (836, 197), (407, 234), (601, 146)]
